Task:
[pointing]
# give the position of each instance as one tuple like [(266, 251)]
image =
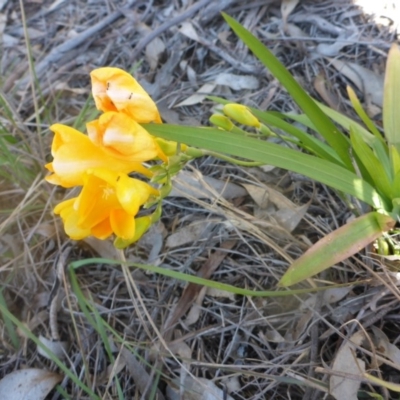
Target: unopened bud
[(241, 114), (221, 121)]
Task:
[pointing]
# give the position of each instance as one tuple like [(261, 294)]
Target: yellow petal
[(102, 230), (96, 201), (70, 218), (74, 153), (123, 224), (115, 90), (132, 193), (122, 137)]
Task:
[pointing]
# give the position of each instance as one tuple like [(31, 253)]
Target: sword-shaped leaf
[(337, 246)]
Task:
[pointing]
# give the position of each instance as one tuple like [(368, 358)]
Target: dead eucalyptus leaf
[(196, 389), (287, 6), (344, 387), (153, 52), (199, 96), (194, 184), (188, 30), (57, 347), (330, 98), (370, 83), (285, 211), (189, 234), (28, 384), (237, 82)]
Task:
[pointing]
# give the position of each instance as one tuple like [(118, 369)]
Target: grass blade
[(200, 281)]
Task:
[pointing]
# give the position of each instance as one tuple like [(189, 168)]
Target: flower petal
[(132, 193), (115, 90), (123, 224), (74, 153), (122, 137), (102, 230)]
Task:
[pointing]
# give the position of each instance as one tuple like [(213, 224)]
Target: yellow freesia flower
[(107, 204), (115, 90), (124, 138), (74, 153)]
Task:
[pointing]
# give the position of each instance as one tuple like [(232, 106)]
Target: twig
[(58, 52)]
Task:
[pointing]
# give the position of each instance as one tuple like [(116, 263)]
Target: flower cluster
[(115, 146)]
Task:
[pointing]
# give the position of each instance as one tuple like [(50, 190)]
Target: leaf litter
[(220, 346)]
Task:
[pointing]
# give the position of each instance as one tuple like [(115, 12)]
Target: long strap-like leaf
[(321, 122), (273, 154)]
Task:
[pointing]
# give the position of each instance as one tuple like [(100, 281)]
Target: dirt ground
[(165, 339)]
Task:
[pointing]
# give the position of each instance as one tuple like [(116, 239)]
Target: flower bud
[(221, 122), (241, 114)]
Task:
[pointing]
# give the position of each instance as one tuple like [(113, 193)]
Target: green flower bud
[(221, 121), (241, 114)]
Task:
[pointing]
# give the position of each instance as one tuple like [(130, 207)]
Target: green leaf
[(200, 281), (371, 163), (337, 246), (307, 141), (322, 123), (391, 98), (362, 114), (273, 154), (395, 156)]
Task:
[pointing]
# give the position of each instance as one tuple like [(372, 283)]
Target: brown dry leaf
[(346, 363), (285, 212), (194, 184), (199, 96), (137, 372), (384, 347), (237, 82), (333, 49), (329, 98), (189, 234), (57, 347), (196, 389), (103, 248), (370, 83), (188, 30), (333, 295), (153, 52), (28, 384), (287, 6)]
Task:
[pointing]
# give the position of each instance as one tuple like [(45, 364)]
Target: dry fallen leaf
[(287, 6), (274, 204), (188, 30), (197, 389), (57, 347), (194, 184), (153, 52), (346, 363), (28, 384), (189, 234), (370, 83), (237, 82), (199, 96)]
